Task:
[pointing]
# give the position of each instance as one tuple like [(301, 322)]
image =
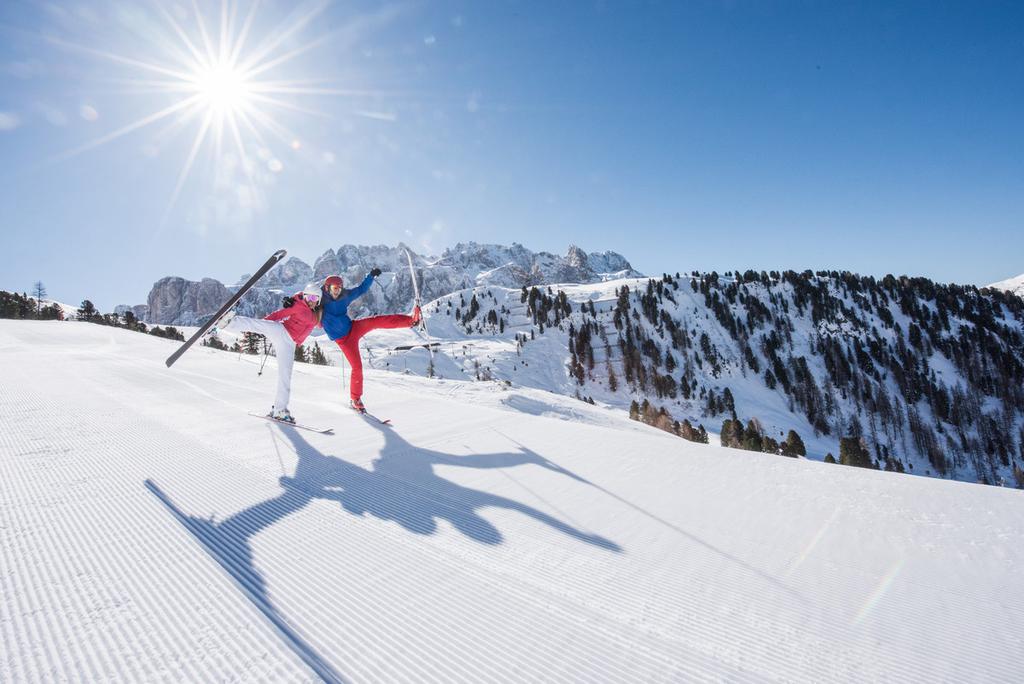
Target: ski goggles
[(311, 298)]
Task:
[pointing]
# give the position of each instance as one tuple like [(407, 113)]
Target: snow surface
[(1014, 285), (151, 530)]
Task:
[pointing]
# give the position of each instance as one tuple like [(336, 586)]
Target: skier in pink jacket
[(285, 329)]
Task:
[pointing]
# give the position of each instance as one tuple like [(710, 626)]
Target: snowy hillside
[(151, 530), (929, 378), (68, 311), (1012, 285)]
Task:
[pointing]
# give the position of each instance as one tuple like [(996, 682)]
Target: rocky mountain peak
[(177, 301), (576, 258)]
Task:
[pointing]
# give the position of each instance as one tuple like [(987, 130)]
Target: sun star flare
[(223, 89)]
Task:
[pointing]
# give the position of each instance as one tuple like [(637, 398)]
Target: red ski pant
[(349, 344)]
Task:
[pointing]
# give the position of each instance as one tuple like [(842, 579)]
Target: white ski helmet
[(311, 293)]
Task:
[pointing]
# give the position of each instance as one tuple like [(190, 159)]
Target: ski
[(274, 259), (408, 347), (322, 431), (370, 416), (416, 291)]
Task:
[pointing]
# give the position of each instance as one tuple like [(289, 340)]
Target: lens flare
[(220, 87)]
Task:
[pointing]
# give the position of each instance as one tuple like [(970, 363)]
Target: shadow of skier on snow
[(402, 486), (228, 543)]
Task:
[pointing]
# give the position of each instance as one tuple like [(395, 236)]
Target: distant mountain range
[(177, 301)]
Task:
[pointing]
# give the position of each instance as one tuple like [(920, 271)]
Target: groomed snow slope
[(151, 530)]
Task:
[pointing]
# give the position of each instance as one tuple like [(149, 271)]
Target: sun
[(224, 83), (223, 89)]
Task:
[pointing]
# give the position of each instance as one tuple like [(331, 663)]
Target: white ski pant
[(284, 346)]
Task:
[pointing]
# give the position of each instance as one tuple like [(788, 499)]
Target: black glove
[(287, 302), (375, 272)]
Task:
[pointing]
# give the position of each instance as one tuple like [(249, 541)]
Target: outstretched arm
[(359, 291)]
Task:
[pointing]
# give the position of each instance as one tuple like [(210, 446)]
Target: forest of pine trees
[(14, 305), (894, 371), (256, 344)]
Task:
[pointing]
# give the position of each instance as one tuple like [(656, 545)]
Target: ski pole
[(266, 353)]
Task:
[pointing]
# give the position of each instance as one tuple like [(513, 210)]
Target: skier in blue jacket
[(346, 333)]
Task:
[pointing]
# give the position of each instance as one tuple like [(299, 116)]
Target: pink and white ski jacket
[(298, 319)]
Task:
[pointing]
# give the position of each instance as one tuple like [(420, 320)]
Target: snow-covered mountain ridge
[(929, 376), (1011, 285), (150, 530), (178, 301)]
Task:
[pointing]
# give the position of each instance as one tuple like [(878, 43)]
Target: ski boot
[(357, 405), (284, 415), (222, 322)]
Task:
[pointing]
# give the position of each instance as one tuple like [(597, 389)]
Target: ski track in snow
[(477, 540)]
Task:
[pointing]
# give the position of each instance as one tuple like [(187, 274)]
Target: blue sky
[(872, 137)]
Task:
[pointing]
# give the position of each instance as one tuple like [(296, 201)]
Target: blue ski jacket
[(335, 321)]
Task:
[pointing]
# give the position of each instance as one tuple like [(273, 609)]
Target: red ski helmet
[(334, 280)]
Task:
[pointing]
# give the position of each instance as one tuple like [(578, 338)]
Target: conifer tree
[(251, 342), (752, 436), (317, 356), (702, 434), (173, 333), (731, 434), (853, 428), (794, 446), (215, 342), (728, 402), (39, 291), (853, 452), (646, 412), (87, 311)]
